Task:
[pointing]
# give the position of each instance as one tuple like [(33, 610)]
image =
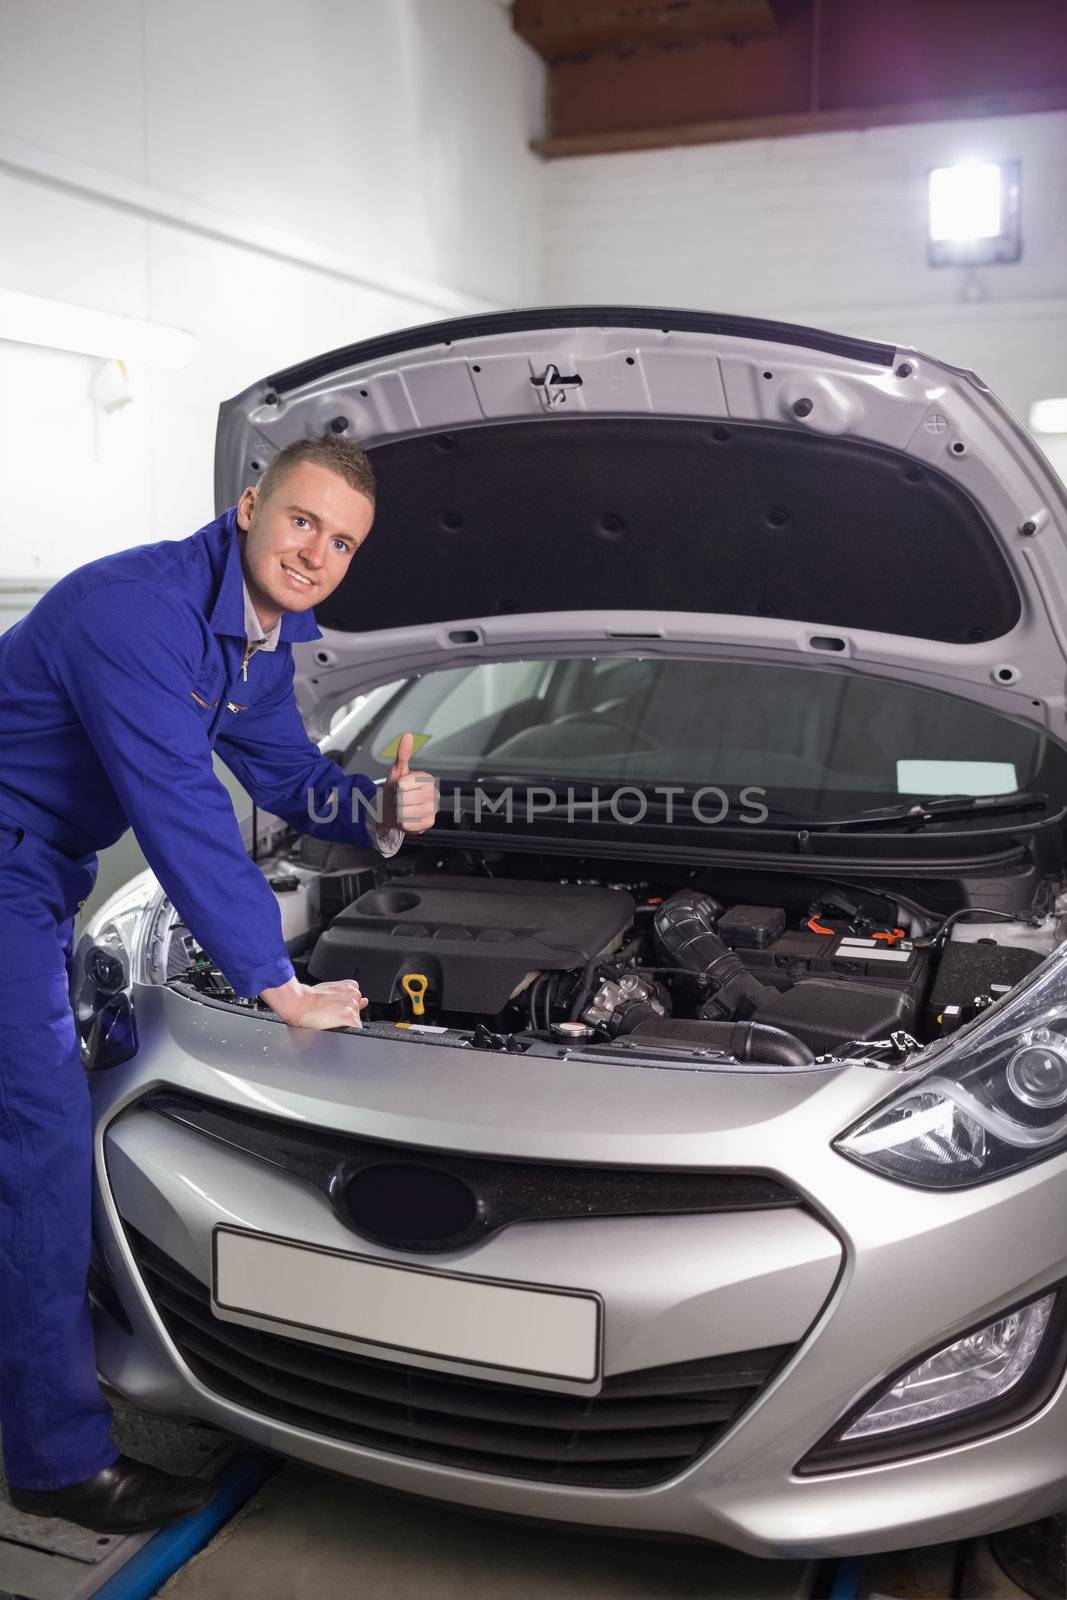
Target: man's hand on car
[(409, 799), (319, 1005), (409, 802)]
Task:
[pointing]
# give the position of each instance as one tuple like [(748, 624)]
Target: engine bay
[(501, 949)]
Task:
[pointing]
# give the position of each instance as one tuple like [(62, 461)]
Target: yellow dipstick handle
[(415, 986)]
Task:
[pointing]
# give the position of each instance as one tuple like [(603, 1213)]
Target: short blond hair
[(330, 451)]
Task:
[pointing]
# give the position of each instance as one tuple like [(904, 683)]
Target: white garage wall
[(280, 179), (827, 229)]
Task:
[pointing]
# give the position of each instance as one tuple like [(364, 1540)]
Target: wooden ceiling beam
[(666, 78), (783, 124), (562, 29)]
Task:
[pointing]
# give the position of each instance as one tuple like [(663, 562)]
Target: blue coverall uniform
[(113, 691)]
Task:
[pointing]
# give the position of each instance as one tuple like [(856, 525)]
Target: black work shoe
[(127, 1497)]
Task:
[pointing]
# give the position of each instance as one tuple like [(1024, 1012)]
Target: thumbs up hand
[(410, 800)]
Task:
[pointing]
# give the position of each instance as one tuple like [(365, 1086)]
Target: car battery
[(800, 953)]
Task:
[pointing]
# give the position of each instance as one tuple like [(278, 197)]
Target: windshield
[(814, 740)]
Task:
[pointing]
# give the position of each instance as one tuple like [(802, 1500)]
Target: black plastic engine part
[(632, 1014), (686, 938), (967, 971), (826, 1013), (344, 871), (801, 954), (484, 1038), (474, 939), (751, 927), (284, 882), (745, 1041)]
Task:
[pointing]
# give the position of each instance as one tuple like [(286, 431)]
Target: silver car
[(701, 1166)]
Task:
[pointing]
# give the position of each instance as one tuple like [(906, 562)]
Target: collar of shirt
[(263, 639), (228, 614)]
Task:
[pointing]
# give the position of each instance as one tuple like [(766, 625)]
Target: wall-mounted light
[(31, 319), (974, 214), (1049, 416)]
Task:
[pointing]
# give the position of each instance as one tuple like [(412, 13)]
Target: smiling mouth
[(297, 577)]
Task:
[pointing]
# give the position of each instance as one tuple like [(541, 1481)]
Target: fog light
[(991, 1378), (110, 1037), (973, 1371)]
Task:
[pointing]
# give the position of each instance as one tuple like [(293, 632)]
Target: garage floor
[(306, 1534)]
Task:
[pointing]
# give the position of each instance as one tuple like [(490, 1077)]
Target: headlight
[(124, 944), (991, 1378), (991, 1099)]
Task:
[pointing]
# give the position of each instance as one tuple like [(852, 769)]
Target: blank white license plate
[(545, 1332)]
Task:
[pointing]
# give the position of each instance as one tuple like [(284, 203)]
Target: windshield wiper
[(918, 813)]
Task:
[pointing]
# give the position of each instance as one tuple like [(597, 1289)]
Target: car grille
[(491, 1193), (642, 1428)]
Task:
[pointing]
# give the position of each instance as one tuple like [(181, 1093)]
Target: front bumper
[(848, 1288)]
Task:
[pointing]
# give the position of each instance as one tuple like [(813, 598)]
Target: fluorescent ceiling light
[(974, 213), (1049, 416), (30, 319)]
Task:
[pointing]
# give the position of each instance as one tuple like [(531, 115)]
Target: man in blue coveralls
[(114, 690)]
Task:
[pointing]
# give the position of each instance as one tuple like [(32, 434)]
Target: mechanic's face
[(299, 542)]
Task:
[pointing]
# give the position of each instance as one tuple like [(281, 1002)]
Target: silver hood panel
[(502, 372)]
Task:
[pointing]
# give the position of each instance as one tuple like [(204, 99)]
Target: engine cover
[(476, 941)]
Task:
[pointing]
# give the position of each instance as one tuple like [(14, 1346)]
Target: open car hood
[(588, 480)]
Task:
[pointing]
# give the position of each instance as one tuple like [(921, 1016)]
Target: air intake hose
[(745, 1041), (685, 936)]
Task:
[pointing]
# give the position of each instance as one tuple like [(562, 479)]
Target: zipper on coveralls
[(250, 650)]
